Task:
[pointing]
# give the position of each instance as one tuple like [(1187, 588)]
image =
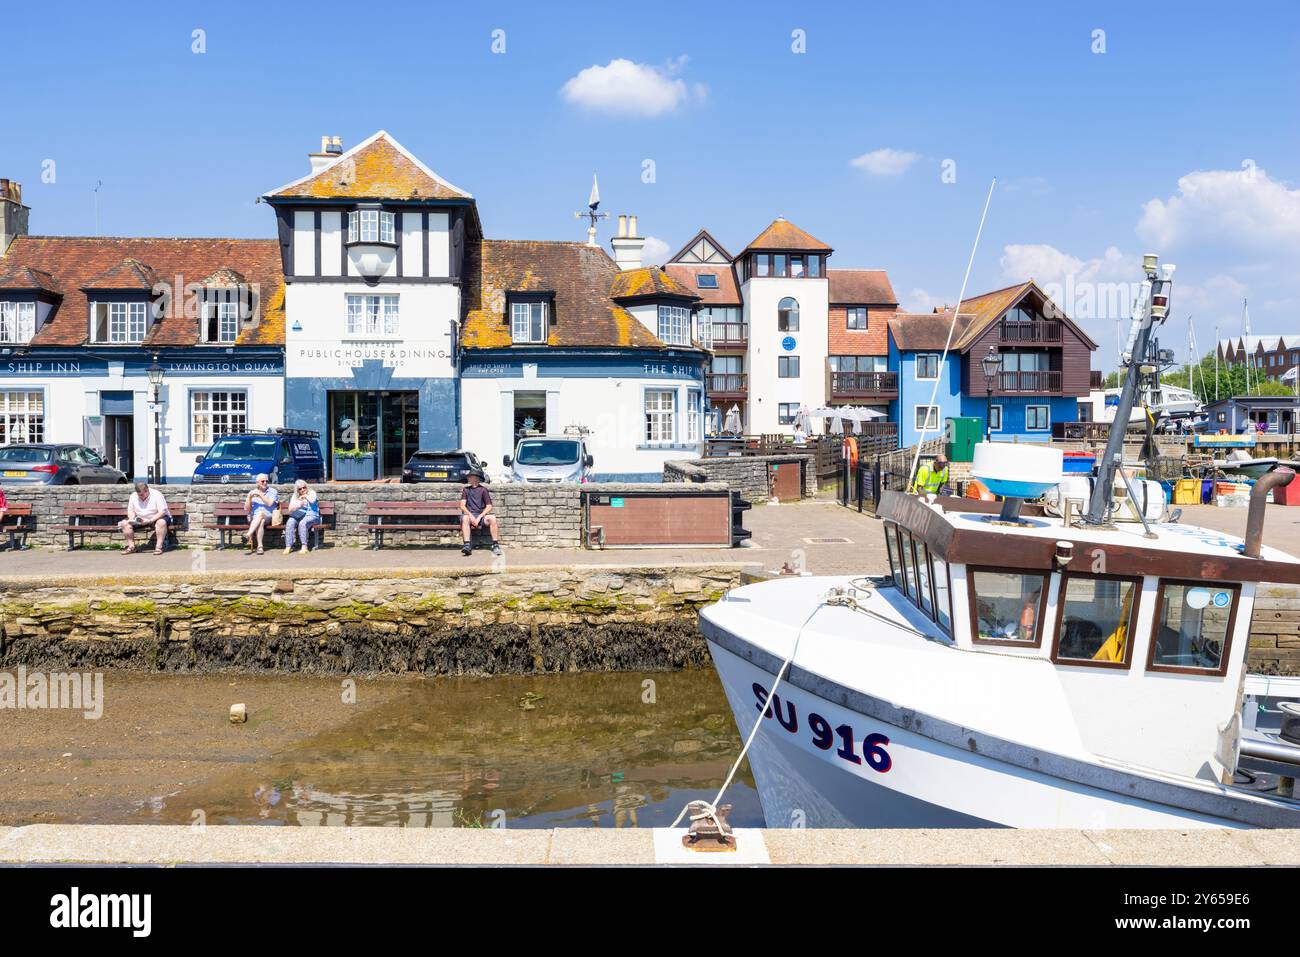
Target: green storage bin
[(961, 434)]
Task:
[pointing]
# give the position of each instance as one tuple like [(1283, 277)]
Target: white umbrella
[(732, 423), (801, 419)]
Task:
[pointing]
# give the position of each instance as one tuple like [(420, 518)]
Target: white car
[(540, 459)]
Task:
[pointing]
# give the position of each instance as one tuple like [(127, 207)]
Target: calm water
[(548, 751)]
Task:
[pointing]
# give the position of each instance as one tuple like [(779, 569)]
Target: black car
[(53, 464), (436, 466)]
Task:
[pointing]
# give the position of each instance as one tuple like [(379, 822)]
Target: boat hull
[(879, 774)]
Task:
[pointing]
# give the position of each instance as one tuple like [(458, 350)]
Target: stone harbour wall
[(747, 474), (465, 622), (538, 516)]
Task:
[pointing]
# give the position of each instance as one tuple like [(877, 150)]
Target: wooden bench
[(231, 519), (384, 517), (102, 518), (18, 521)]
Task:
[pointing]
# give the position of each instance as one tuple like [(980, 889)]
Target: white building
[(83, 321), (373, 244), (558, 336)]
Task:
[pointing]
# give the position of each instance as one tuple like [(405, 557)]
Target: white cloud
[(1242, 207), (1047, 264), (885, 161), (637, 89), (655, 251), (920, 300)]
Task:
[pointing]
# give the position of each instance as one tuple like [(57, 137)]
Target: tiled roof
[(74, 264), (377, 168), (783, 234), (25, 277), (926, 330), (988, 307), (580, 279), (128, 274), (647, 281), (860, 287), (727, 293)]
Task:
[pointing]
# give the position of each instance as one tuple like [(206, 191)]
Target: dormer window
[(17, 322), (371, 226), (528, 322), (706, 280), (675, 325), (119, 322), (220, 321)]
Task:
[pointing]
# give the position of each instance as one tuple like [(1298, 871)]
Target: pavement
[(815, 534), (188, 844)]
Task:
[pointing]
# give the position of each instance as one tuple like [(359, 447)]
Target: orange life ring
[(851, 451)]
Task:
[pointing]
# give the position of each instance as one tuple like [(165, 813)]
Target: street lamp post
[(990, 363), (155, 373)]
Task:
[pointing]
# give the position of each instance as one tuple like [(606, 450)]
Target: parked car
[(442, 466), (285, 455), (53, 464), (549, 458)]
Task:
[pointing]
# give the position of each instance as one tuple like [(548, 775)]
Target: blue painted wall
[(913, 392), (1060, 409)]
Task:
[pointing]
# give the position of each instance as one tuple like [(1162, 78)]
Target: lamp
[(991, 363), (155, 372)]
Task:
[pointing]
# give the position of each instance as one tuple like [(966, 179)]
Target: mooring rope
[(709, 809)]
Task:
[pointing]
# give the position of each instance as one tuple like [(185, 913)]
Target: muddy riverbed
[(608, 750)]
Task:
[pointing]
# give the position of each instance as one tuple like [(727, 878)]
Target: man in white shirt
[(146, 506)]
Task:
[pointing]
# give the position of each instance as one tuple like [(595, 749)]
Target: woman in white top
[(303, 514), (260, 504)]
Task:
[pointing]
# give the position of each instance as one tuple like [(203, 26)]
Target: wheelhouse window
[(923, 579), (17, 322), (1006, 607), (909, 563), (856, 317), (1096, 615), (22, 417), (891, 546), (1193, 627), (920, 575), (675, 325), (372, 315), (371, 226), (942, 593), (528, 322), (787, 315), (660, 404), (217, 413), (116, 322)]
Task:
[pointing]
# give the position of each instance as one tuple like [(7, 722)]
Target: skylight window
[(707, 280)]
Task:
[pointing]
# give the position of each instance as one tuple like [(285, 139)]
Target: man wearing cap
[(932, 479), (476, 512)]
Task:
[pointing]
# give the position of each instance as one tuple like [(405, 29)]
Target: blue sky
[(1180, 138)]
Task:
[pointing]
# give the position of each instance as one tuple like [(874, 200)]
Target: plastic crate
[(1187, 492)]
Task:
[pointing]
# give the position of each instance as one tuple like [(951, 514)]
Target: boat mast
[(1151, 307)]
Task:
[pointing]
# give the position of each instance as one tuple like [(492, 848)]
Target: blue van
[(286, 455)]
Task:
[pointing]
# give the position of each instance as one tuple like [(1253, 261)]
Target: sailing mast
[(1150, 308)]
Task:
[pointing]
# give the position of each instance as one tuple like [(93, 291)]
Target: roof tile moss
[(578, 279), (647, 281), (377, 170)]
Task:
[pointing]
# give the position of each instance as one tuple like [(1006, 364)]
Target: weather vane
[(590, 214)]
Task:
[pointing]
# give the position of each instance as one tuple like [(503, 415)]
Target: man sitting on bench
[(476, 512), (146, 506)]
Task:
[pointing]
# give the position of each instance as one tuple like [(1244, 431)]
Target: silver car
[(54, 464), (541, 459)]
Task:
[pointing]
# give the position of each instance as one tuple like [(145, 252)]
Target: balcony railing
[(1045, 330), (863, 385), (726, 383), (1038, 382), (727, 335)]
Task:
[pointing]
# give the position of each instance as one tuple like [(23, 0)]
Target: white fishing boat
[(1012, 668)]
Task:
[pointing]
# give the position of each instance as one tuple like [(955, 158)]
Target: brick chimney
[(331, 148), (627, 244), (13, 214)]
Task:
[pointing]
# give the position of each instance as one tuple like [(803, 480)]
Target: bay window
[(675, 325), (371, 226)]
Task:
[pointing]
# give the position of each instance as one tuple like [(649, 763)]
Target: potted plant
[(354, 465)]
